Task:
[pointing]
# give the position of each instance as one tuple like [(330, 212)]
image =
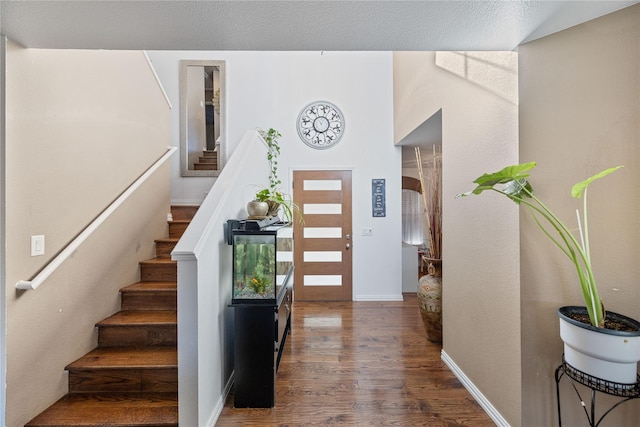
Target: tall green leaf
[(576, 190)]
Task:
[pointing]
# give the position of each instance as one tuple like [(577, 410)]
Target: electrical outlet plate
[(37, 245)]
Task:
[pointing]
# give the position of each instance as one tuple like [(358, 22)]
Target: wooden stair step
[(149, 296), (204, 166), (209, 153), (182, 212), (125, 369), (208, 160), (140, 317), (112, 409), (151, 286), (112, 358), (177, 227), (139, 328), (165, 246), (158, 270)]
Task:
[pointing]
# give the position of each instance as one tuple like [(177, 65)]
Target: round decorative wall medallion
[(320, 125)]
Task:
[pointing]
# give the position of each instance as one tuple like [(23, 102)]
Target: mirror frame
[(184, 149)]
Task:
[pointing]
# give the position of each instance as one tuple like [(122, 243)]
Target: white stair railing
[(62, 256), (204, 285)]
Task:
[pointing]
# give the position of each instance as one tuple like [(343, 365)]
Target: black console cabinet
[(262, 298), (260, 334)]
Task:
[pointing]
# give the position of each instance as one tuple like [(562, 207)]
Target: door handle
[(348, 246), (348, 237)]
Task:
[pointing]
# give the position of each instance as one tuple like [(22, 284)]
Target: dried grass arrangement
[(430, 172)]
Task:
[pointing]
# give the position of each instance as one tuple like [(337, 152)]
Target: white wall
[(3, 307), (477, 92), (81, 125), (410, 267), (268, 89), (579, 114)]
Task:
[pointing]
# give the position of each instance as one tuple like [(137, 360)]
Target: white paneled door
[(323, 240)]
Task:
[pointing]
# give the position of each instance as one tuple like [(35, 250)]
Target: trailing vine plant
[(273, 193), (271, 137)]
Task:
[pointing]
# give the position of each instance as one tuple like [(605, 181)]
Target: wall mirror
[(202, 125)]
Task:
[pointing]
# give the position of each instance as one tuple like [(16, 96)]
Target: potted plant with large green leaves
[(601, 343)]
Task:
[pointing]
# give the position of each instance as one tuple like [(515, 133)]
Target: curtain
[(412, 218)]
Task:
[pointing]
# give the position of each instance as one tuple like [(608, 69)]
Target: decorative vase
[(430, 300), (257, 209), (274, 207), (606, 354)]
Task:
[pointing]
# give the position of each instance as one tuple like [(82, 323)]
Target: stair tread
[(141, 317), (151, 286), (127, 357), (112, 409), (158, 261), (185, 212), (167, 240)]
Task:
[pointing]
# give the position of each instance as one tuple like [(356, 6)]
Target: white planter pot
[(602, 353)]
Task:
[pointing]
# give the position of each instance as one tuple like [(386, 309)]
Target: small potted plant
[(616, 350)]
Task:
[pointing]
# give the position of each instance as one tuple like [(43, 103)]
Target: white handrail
[(80, 238), (155, 74)]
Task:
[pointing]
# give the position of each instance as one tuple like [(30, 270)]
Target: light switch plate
[(37, 245)]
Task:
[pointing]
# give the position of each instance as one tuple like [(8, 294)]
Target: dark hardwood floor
[(362, 364)]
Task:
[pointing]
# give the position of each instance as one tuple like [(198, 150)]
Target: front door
[(323, 240)]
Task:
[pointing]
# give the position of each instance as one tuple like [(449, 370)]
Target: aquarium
[(262, 263)]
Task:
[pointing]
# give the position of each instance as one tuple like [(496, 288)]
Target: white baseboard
[(378, 298), (475, 392), (213, 419), (186, 202)]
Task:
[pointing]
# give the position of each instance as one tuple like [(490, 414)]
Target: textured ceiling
[(295, 25), (292, 25)]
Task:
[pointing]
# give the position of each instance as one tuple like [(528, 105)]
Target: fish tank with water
[(262, 264)]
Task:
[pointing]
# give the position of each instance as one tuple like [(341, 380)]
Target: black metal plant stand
[(624, 391)]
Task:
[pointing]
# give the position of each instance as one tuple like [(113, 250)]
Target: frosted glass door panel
[(322, 256), (322, 209), (322, 232), (322, 185), (322, 280)]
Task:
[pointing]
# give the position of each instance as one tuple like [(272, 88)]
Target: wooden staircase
[(131, 378), (208, 161)]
